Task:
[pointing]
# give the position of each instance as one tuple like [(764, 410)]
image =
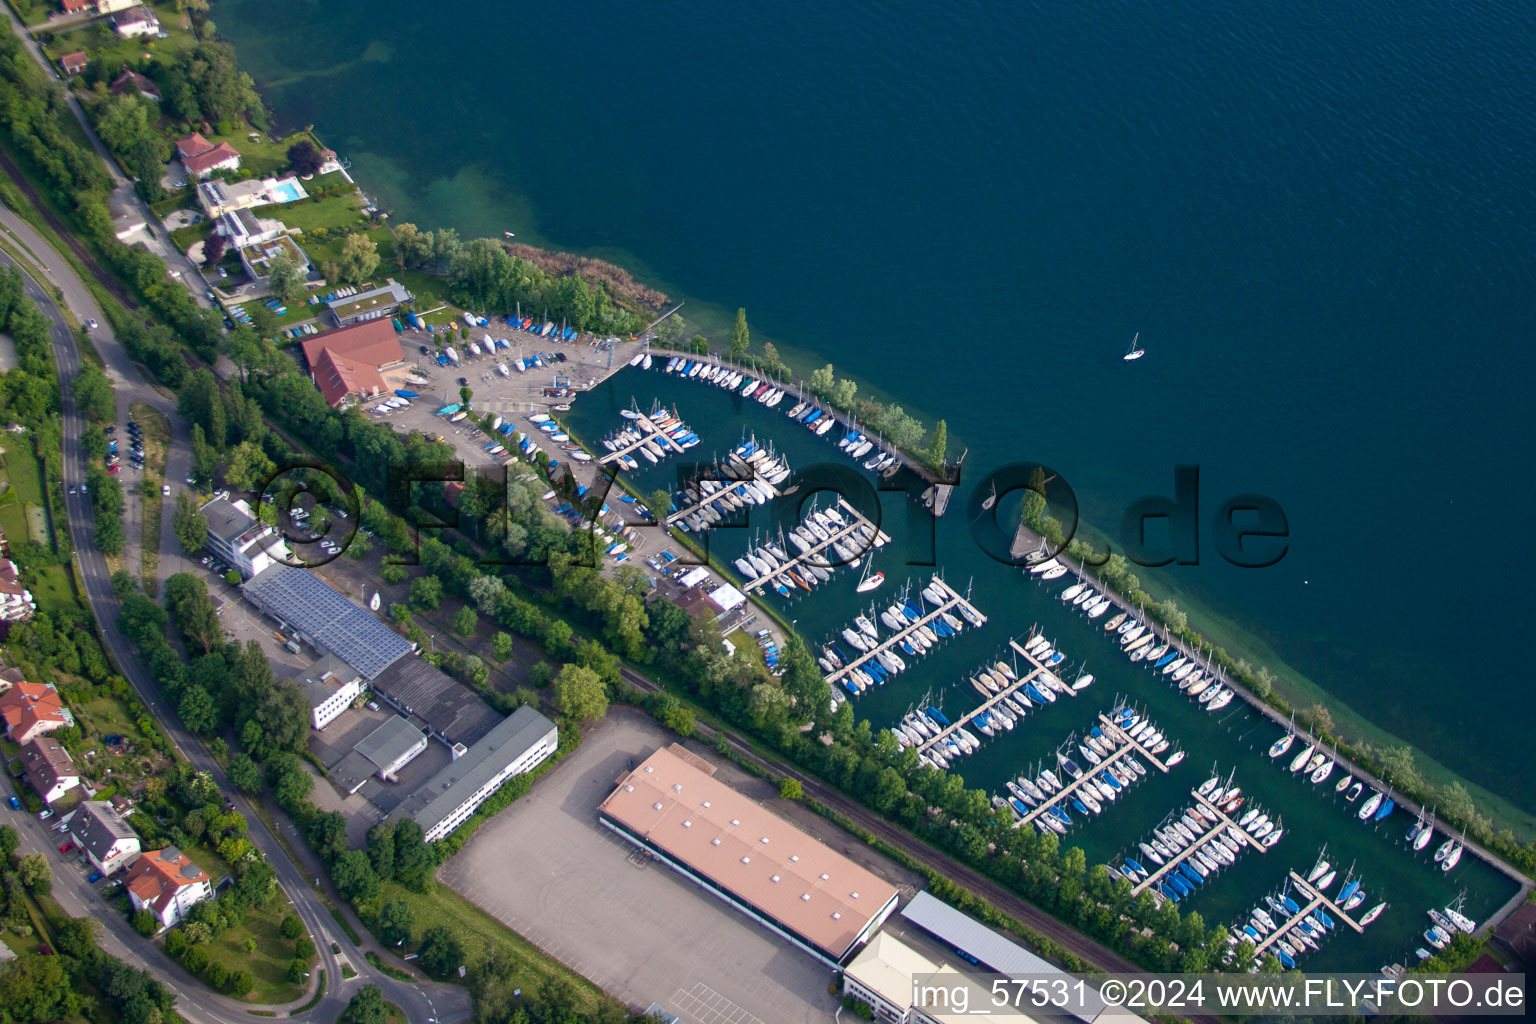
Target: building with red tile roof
[(74, 63), (348, 364), (31, 710), (220, 157), (50, 769), (167, 884), (130, 82)]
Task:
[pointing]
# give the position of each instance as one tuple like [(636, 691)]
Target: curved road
[(421, 1002)]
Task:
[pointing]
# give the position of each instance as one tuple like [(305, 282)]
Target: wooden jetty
[(992, 701), (1124, 746), (855, 520), (1210, 835), (1315, 899), (651, 432), (952, 599), (726, 487)]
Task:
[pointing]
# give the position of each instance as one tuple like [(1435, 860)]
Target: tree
[(579, 693), (395, 921), (501, 646), (367, 1006), (213, 248), (440, 951), (123, 583), (94, 397), (354, 877), (413, 861), (939, 444), (790, 789), (412, 247), (426, 592), (8, 841), (197, 710), (465, 394), (291, 927), (304, 159), (190, 524), (741, 335), (241, 982), (358, 260), (248, 467), (465, 620), (145, 922), (34, 873), (285, 278)]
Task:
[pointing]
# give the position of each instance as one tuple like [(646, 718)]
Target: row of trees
[(486, 276)]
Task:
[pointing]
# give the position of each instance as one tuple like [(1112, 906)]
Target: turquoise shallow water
[(1319, 218)]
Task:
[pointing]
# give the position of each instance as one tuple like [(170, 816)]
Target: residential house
[(111, 6), (74, 6), (130, 82), (135, 21), (16, 603), (31, 710), (201, 157), (104, 836), (74, 63), (50, 769), (218, 197), (167, 884), (243, 228)]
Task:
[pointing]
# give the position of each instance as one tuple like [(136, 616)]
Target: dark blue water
[(1319, 217)]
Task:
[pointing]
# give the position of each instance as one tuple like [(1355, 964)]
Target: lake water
[(1319, 218)]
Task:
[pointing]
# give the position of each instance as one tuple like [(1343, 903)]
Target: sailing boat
[(870, 581), (990, 499), (1133, 352)]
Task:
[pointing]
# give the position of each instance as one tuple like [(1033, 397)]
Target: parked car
[(66, 847), (15, 803), (94, 877), (44, 814), (113, 470), (165, 489)]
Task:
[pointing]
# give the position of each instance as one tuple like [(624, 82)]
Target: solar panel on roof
[(334, 622)]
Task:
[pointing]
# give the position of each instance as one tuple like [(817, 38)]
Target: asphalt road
[(421, 1002)]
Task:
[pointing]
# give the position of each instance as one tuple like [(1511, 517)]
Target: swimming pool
[(287, 192)]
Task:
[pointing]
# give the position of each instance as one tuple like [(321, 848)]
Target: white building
[(240, 540), (331, 686), (167, 884), (104, 836), (516, 745), (134, 21)]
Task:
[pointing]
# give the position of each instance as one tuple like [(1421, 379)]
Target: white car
[(165, 489)]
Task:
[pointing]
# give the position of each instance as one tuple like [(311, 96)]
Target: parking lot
[(632, 926)]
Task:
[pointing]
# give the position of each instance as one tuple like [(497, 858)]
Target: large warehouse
[(326, 619), (673, 807)]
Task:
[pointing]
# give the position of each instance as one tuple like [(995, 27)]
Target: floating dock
[(855, 520), (1124, 746), (652, 433), (952, 599), (1315, 899), (1210, 835)]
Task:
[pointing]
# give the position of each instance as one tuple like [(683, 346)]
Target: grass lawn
[(185, 238), (261, 156), (269, 964), (180, 199), (480, 933), (32, 12), (99, 40), (22, 513), (333, 213), (108, 717), (330, 248), (157, 438)]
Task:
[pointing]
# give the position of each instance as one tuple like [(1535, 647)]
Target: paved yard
[(548, 870)]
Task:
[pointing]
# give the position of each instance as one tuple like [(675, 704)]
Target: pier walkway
[(651, 432), (726, 487), (952, 600), (854, 521), (985, 707), (1124, 746), (1223, 823), (1315, 899)]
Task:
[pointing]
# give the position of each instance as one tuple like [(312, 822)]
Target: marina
[(653, 441), (1237, 734), (852, 529), (1124, 747), (950, 601)]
